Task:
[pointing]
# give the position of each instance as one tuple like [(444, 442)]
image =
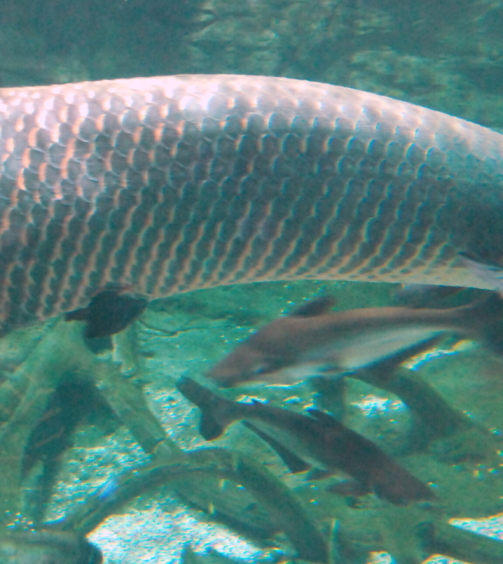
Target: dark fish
[(317, 440), (109, 312), (297, 346)]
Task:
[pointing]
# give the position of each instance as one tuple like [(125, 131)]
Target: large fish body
[(308, 343), (169, 184), (318, 439)]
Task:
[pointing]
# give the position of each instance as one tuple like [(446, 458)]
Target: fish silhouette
[(316, 440)]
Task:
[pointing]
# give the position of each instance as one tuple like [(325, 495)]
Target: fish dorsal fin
[(315, 307), (325, 418), (293, 462)]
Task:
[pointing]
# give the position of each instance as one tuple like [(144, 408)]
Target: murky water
[(107, 460)]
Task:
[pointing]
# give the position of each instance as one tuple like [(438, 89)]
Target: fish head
[(277, 353), (244, 364)]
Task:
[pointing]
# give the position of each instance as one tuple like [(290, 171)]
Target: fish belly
[(367, 350)]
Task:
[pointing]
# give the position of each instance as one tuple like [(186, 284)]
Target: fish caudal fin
[(213, 421)]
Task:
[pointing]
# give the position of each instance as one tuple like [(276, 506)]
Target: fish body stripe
[(169, 184)]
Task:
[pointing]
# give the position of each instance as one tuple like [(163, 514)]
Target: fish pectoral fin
[(383, 371), (315, 307), (293, 462)]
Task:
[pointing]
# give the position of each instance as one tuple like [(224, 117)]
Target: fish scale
[(169, 184)]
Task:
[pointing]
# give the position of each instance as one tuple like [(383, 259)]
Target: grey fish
[(316, 440), (314, 341)]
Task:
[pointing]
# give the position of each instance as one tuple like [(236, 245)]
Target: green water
[(444, 54)]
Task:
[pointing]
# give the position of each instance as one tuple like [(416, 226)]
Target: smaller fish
[(315, 441), (108, 312), (315, 341)]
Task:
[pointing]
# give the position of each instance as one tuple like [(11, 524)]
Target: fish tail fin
[(215, 412)]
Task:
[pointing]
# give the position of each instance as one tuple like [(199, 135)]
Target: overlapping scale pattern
[(173, 183)]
